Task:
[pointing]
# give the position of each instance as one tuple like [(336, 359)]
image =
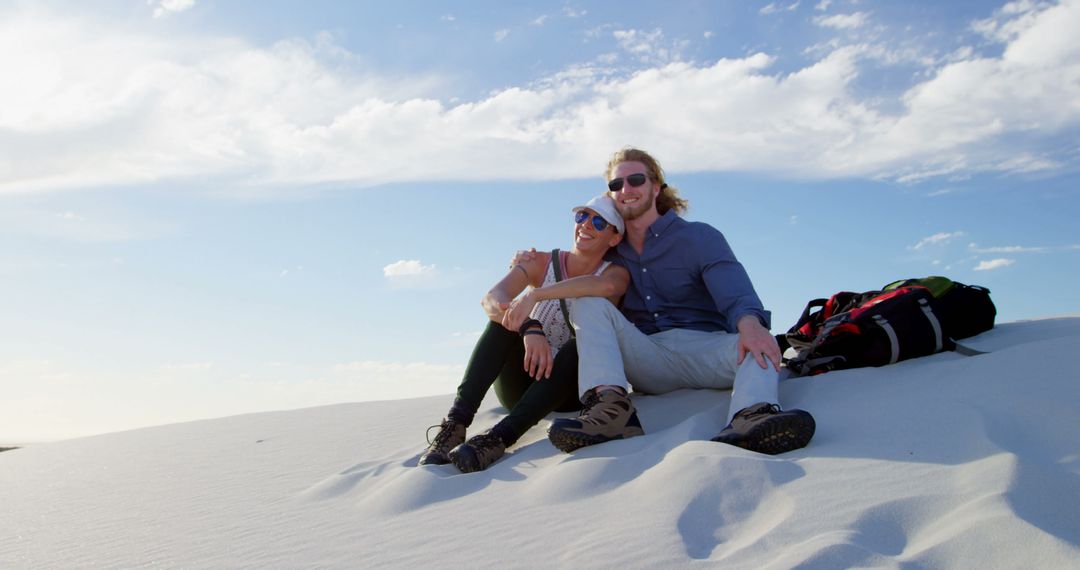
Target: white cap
[(605, 206)]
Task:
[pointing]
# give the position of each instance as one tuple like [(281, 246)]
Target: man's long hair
[(669, 196)]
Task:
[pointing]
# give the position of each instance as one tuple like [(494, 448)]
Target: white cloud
[(607, 58), (649, 47), (823, 5), (571, 12), (1007, 249), (286, 272), (994, 264), (1009, 21), (597, 32), (448, 18), (941, 192), (92, 110), (411, 274), (166, 7), (408, 268), (842, 21), (540, 21), (773, 8), (501, 35), (940, 238), (708, 35), (638, 42)]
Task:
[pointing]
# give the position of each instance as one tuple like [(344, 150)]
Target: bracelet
[(533, 331), (528, 324)]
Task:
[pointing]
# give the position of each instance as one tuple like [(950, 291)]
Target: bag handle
[(556, 264), (805, 318)]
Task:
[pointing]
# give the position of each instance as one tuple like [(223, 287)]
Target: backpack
[(966, 309), (905, 319)]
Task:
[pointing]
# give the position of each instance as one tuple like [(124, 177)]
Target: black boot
[(765, 428), (451, 434), (479, 452)]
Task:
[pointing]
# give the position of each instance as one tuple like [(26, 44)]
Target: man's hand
[(538, 361), (522, 256), (756, 340)]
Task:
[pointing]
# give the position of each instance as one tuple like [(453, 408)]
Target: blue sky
[(210, 208)]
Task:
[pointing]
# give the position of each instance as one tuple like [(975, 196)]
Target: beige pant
[(612, 351)]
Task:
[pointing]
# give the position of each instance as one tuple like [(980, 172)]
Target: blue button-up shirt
[(686, 277)]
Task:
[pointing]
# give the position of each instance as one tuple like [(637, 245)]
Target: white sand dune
[(945, 461)]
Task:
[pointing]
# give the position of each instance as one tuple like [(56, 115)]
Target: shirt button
[(648, 297), (656, 315), (644, 270)]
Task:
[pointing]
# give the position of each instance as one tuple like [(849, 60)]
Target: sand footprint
[(731, 512)]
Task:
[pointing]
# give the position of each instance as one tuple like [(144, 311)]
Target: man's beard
[(638, 209)]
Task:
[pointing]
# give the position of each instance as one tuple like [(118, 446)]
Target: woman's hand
[(495, 309), (496, 301), (538, 361), (518, 311)]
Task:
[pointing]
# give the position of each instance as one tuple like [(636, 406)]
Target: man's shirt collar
[(663, 222)]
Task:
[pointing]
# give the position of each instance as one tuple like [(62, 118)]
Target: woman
[(532, 366)]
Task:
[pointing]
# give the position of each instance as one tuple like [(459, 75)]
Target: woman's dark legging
[(498, 360)]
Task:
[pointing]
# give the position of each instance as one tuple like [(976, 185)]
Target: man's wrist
[(749, 318)]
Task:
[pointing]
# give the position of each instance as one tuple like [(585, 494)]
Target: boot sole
[(567, 441), (778, 435)]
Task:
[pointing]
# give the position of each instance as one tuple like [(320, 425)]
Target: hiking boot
[(765, 428), (451, 433), (607, 415), (478, 453)]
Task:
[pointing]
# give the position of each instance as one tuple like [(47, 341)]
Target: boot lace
[(446, 430), (763, 410), (592, 398), (600, 413)]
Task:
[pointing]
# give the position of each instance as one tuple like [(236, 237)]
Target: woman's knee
[(509, 389)]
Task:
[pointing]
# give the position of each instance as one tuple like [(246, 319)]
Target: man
[(690, 319)]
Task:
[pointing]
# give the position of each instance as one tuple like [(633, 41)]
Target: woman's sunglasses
[(634, 180), (597, 222)]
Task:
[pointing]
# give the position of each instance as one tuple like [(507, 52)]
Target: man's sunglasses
[(597, 222), (634, 180)]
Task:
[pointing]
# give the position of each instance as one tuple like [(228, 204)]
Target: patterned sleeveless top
[(550, 314)]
